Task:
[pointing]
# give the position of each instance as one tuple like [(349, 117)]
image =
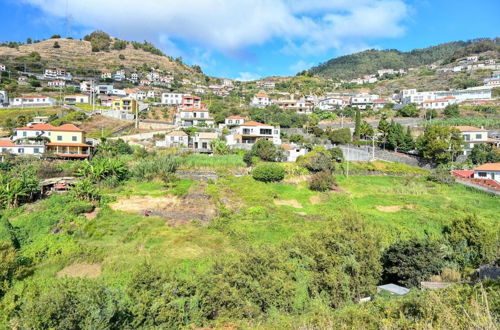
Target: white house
[(22, 80), (174, 139), (472, 58), (33, 101), (104, 89), (134, 76), (106, 74), (118, 92), (171, 98), (439, 103), (86, 87), (3, 67), (201, 140), (260, 100), (56, 84), (153, 93), (234, 121), (22, 147), (362, 101), (469, 94), (57, 73), (251, 131), (493, 82), (77, 98), (412, 96), (472, 136), (488, 171), (293, 152), (187, 117), (119, 75), (135, 93), (4, 98), (329, 104)]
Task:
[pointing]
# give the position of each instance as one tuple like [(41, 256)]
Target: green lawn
[(13, 113)]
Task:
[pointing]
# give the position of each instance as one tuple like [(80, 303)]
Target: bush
[(340, 136), (319, 159), (121, 57), (99, 40), (56, 45), (452, 111), (268, 173), (321, 181), (441, 175)]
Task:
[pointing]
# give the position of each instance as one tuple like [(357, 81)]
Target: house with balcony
[(171, 98), (33, 147), (56, 84), (472, 136), (234, 121), (124, 104), (106, 74), (187, 117), (190, 101), (249, 132), (260, 100), (201, 141), (66, 141)]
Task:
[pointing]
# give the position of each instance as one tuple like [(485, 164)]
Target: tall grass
[(206, 161), (473, 121)]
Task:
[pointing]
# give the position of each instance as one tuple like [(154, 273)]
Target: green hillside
[(369, 61)]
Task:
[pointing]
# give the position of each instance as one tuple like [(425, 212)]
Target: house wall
[(493, 175)]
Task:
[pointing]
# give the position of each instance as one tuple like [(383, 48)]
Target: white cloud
[(229, 26), (247, 76)]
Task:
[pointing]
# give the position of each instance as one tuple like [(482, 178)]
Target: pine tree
[(357, 127)]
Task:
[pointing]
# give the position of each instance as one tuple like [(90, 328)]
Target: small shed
[(393, 289)]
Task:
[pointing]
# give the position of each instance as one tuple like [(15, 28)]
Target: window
[(20, 150), (266, 131), (59, 138), (246, 131), (25, 133), (74, 138), (481, 174), (276, 132), (36, 150), (479, 136), (466, 137)]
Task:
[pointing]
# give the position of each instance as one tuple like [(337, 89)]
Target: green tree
[(440, 144), (317, 160), (99, 41), (357, 126), (431, 114), (340, 136), (409, 262), (56, 45), (409, 110), (266, 150), (484, 153), (452, 111), (473, 244), (219, 147), (383, 128)]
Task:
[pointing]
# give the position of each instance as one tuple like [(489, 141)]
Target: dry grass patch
[(316, 199), (292, 203), (394, 208), (142, 203), (84, 270)]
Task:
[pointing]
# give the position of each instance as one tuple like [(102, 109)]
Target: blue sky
[(248, 39)]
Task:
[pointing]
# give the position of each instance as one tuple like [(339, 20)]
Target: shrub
[(99, 40), (268, 173), (341, 136), (121, 57), (56, 45), (321, 181), (441, 175), (319, 159)]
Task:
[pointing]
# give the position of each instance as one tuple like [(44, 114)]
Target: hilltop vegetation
[(97, 51), (369, 61)]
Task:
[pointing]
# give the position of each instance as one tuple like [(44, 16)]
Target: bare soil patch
[(292, 203), (93, 214), (294, 180), (338, 190), (196, 205), (394, 208), (316, 199), (80, 270), (301, 213)]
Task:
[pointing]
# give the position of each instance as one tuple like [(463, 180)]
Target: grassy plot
[(13, 113)]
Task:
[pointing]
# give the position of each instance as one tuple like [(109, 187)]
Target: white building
[(33, 101), (171, 98), (412, 96), (439, 103), (488, 171), (266, 84), (57, 73), (201, 140), (118, 92), (3, 67), (56, 84), (251, 131), (134, 76), (329, 104), (187, 117), (472, 136), (104, 89), (363, 101), (77, 98), (86, 87), (469, 94), (174, 139), (106, 74), (493, 82), (260, 99), (22, 147), (119, 75), (293, 152), (233, 121), (4, 98)]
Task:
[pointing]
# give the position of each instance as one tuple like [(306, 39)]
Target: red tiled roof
[(6, 143), (73, 155), (462, 173), (195, 109), (468, 128), (287, 147), (488, 167), (48, 127), (33, 97), (235, 117), (253, 123)]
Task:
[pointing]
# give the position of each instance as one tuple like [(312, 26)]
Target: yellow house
[(125, 103), (65, 141)]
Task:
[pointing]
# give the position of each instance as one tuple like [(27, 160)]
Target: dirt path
[(80, 270), (292, 203)]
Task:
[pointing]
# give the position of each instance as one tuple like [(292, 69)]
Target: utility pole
[(347, 170), (373, 147), (136, 115)]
